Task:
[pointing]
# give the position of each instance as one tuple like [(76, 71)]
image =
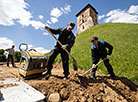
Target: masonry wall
[(86, 19)]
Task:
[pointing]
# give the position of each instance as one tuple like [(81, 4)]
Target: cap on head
[(94, 38), (72, 24)]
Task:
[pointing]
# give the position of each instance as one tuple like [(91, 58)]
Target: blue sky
[(23, 20)]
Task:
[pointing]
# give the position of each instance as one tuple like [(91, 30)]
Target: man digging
[(99, 51), (67, 38)]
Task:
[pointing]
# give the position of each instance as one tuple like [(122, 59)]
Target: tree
[(1, 51), (2, 56), (17, 56)]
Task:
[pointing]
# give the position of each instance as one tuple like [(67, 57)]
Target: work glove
[(46, 27), (108, 56), (64, 46), (93, 66)]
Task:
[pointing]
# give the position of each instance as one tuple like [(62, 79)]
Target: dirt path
[(103, 89)]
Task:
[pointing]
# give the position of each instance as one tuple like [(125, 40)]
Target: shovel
[(75, 67), (81, 75)]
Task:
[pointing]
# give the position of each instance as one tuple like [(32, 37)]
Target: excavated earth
[(82, 89)]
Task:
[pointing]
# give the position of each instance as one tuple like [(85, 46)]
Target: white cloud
[(23, 47), (49, 22), (41, 50), (66, 9), (56, 12), (16, 10), (54, 19), (5, 43), (101, 17), (30, 46), (37, 24), (122, 16), (133, 9), (45, 33), (40, 17)]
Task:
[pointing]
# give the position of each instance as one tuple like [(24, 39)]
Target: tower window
[(83, 27)]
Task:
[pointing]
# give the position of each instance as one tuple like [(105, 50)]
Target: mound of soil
[(83, 89)]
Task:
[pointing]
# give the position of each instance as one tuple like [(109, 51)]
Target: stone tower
[(86, 18)]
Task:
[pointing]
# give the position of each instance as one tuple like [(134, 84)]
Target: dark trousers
[(64, 57), (108, 66), (12, 60)]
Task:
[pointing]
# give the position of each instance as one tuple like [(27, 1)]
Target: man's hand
[(108, 56), (46, 27), (93, 66), (64, 46)]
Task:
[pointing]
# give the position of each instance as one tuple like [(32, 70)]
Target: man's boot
[(14, 66), (47, 72), (114, 77), (8, 65), (66, 77)]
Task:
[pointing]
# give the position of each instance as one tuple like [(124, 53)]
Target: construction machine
[(32, 63)]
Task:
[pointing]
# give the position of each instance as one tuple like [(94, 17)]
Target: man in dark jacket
[(11, 56), (99, 51), (67, 38)]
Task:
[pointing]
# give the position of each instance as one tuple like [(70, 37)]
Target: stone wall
[(86, 19)]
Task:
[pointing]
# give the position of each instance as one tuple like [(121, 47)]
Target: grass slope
[(123, 37)]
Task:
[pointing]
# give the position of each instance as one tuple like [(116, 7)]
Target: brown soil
[(4, 75), (83, 89)]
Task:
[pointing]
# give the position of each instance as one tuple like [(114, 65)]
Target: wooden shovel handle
[(95, 66), (60, 43)]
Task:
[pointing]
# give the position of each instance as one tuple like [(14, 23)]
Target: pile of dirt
[(83, 89), (3, 76)]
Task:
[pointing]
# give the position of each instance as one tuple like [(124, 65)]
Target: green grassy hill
[(123, 37)]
